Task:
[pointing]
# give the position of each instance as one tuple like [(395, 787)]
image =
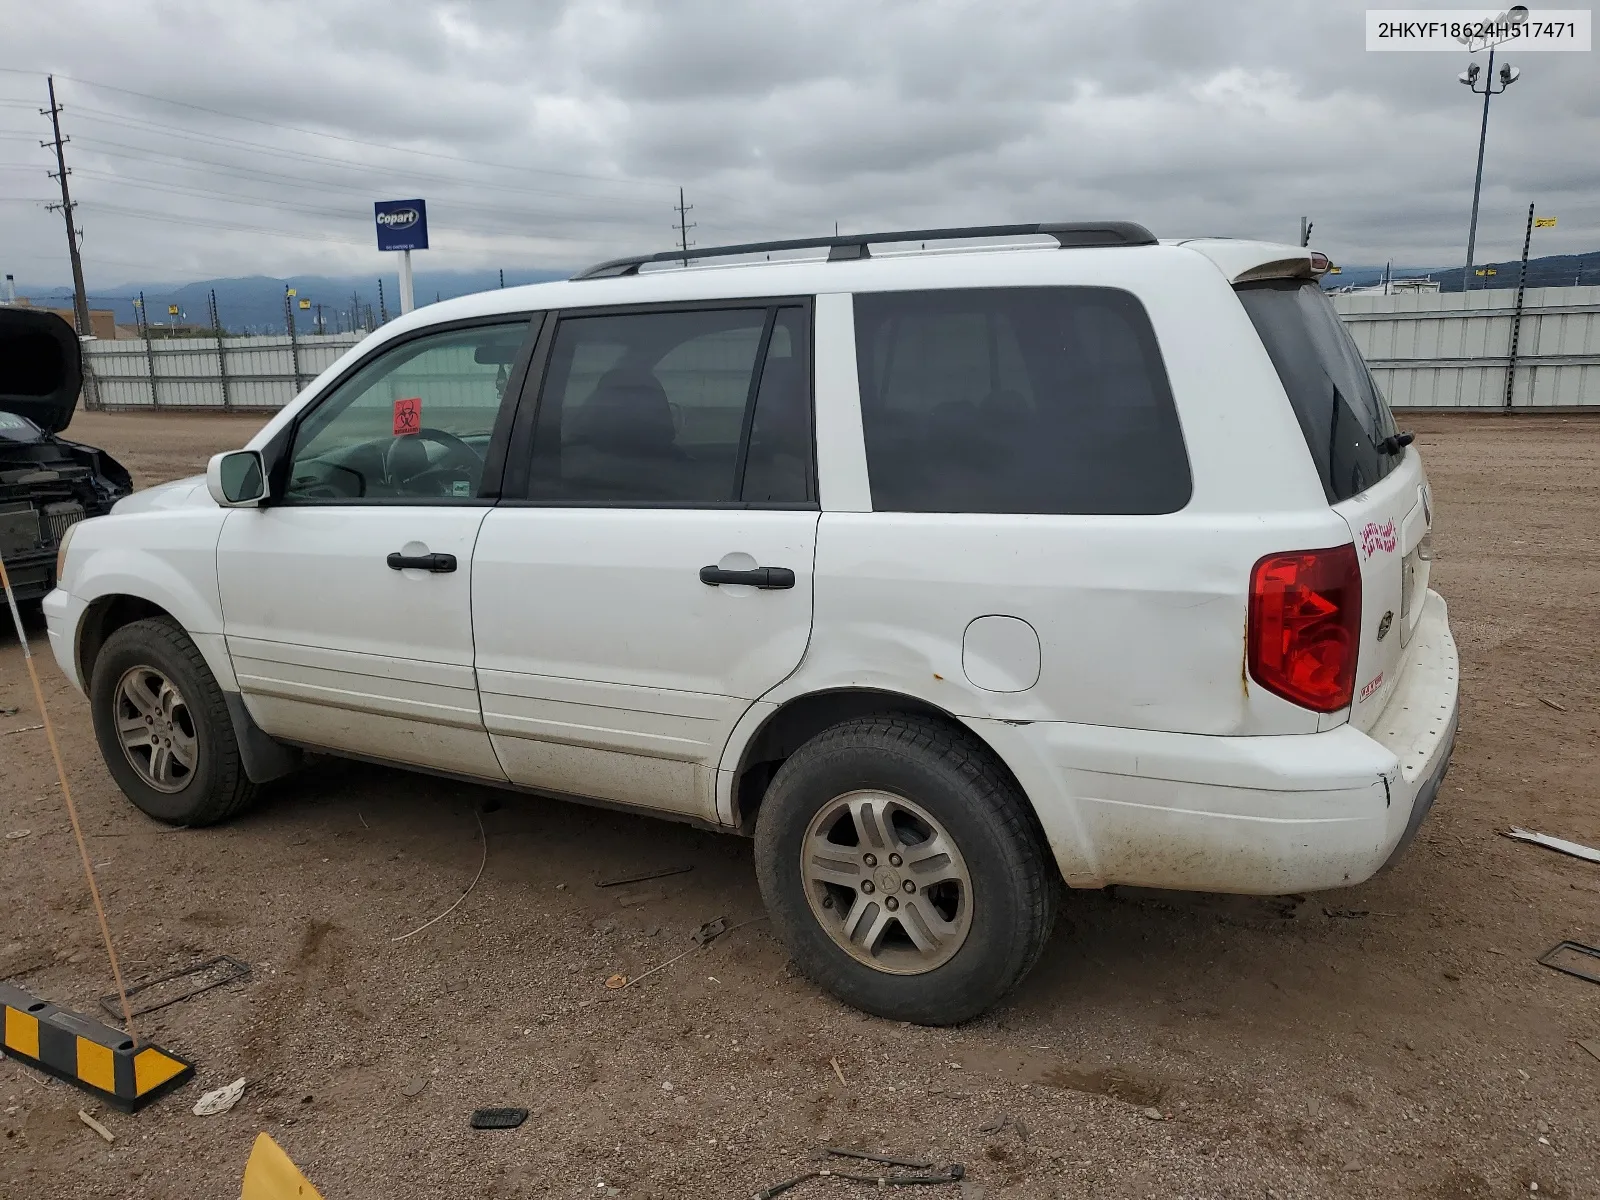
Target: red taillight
[(1320, 262), (1304, 629)]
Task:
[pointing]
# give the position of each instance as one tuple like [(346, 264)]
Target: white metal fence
[(209, 372), (1445, 350), (1453, 350)]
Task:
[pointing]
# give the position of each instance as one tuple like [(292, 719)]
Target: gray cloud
[(552, 134)]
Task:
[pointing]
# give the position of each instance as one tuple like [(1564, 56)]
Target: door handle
[(770, 578), (439, 564)]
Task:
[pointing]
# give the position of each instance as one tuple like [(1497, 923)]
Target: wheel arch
[(798, 719)]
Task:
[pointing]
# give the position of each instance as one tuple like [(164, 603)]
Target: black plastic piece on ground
[(848, 247), (498, 1118)]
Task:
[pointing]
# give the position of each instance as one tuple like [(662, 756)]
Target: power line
[(612, 179)]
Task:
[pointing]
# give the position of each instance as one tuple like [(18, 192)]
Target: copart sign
[(402, 224)]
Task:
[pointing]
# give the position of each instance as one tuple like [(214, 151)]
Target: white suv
[(949, 574)]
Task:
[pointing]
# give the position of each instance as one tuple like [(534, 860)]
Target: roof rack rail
[(848, 247)]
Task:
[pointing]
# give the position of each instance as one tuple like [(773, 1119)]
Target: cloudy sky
[(237, 137)]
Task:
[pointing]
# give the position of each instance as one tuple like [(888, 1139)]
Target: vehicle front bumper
[(1262, 815), (63, 612)]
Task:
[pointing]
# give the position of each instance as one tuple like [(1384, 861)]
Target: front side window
[(679, 407), (1016, 400), (412, 424)]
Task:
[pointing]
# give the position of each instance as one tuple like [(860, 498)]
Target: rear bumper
[(1263, 815)]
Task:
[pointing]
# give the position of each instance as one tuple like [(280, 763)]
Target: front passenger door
[(346, 600)]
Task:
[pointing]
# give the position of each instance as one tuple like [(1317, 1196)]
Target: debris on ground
[(498, 1118), (916, 1164), (643, 876), (834, 1063), (415, 1087), (221, 1100), (1552, 704), (17, 833), (10, 711), (1575, 959), (1592, 1047), (96, 1126), (710, 931), (1576, 849), (617, 981), (1152, 1114), (954, 1173), (178, 985), (24, 729), (482, 862), (1006, 1121)]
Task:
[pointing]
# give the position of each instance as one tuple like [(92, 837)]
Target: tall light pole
[(1508, 75)]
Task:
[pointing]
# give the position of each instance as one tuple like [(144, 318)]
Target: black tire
[(217, 788), (1014, 882)]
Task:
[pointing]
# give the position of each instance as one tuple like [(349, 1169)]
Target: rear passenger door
[(649, 572)]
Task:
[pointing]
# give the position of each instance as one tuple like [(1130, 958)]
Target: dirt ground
[(1396, 1039)]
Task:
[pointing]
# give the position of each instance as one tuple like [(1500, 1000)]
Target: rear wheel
[(163, 726), (903, 871)]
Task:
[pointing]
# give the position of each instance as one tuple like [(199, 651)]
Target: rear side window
[(1016, 400), (1342, 413), (677, 408)]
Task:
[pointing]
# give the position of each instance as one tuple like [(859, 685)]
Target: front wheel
[(163, 726), (902, 870)]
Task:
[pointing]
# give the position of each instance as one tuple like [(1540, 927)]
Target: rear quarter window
[(1343, 415), (1017, 400)]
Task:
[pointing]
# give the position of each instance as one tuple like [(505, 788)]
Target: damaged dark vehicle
[(47, 484)]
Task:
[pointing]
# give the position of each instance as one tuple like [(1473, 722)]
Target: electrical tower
[(80, 298), (684, 225)]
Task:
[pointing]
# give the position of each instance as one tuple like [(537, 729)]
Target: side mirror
[(236, 479)]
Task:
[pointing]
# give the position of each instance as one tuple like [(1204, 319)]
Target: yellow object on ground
[(98, 1058), (269, 1175)]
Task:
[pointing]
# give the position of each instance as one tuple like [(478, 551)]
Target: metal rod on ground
[(222, 350), (1516, 318), (149, 352), (66, 792)]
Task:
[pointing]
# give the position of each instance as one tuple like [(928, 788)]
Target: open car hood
[(41, 367)]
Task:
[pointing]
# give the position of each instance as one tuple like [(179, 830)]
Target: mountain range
[(255, 304)]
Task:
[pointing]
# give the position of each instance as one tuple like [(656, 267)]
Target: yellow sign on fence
[(1544, 222)]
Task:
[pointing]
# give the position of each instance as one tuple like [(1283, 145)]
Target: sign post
[(402, 225)]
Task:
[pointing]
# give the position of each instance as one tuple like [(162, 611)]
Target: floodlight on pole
[(1516, 15)]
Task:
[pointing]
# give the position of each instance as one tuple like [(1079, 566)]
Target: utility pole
[(80, 298), (320, 328), (684, 225), (355, 312)]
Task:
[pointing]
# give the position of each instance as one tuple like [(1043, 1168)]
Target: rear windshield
[(1016, 400), (1342, 413)]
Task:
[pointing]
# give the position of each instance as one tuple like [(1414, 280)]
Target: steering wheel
[(426, 434)]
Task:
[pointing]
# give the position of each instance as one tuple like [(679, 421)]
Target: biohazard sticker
[(407, 416)]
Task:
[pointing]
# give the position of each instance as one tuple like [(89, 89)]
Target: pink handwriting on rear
[(1375, 537)]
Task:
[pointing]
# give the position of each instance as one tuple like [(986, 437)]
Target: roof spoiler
[(1312, 266)]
